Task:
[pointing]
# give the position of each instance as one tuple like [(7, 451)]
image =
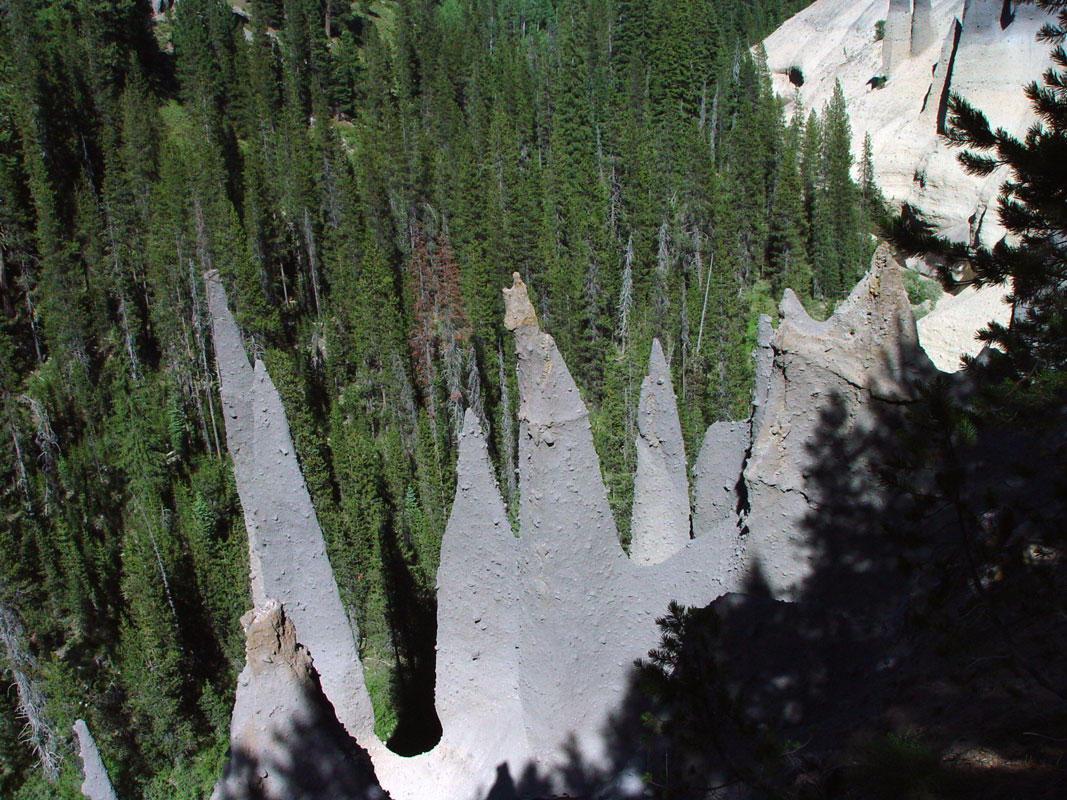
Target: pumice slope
[(970, 47), (537, 634)]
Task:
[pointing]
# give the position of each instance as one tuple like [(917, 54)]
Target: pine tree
[(787, 257), (1033, 262)]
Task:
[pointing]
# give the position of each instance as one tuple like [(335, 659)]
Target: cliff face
[(537, 634), (983, 50), (857, 365)]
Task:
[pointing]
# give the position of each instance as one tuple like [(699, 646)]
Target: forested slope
[(365, 177)]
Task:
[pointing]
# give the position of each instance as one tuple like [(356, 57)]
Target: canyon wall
[(931, 48)]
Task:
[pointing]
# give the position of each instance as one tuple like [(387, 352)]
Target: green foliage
[(920, 289)]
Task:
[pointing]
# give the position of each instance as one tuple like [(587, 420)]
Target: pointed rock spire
[(477, 619), (97, 785), (288, 553), (660, 523), (235, 388)]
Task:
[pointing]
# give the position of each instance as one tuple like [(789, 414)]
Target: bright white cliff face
[(930, 48)]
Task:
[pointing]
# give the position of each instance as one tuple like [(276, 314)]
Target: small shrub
[(879, 30), (921, 289)]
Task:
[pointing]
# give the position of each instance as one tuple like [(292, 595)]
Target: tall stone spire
[(287, 551), (660, 523)]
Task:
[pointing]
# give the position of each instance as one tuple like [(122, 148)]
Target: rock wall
[(96, 785), (537, 634), (861, 360), (834, 40)]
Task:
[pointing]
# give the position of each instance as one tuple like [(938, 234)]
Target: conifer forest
[(366, 177)]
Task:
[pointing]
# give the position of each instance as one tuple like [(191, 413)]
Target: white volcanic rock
[(944, 45), (948, 332), (286, 549), (865, 355), (537, 635), (97, 785), (659, 526)]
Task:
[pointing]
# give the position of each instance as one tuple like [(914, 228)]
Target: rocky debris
[(866, 355), (660, 523), (948, 332), (969, 52), (286, 549), (285, 740), (97, 785)]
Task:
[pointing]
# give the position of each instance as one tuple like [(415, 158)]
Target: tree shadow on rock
[(891, 674), (308, 755)]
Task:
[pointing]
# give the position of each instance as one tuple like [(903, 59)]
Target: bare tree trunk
[(37, 732)]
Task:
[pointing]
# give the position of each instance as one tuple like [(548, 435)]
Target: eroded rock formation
[(853, 366), (659, 526), (96, 785), (285, 740), (287, 553), (537, 633), (930, 48)]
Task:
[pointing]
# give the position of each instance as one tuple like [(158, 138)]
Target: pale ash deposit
[(537, 634), (973, 47), (984, 50)]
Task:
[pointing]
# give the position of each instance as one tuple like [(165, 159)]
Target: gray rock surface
[(285, 742), (96, 785), (477, 621), (537, 634), (659, 527), (866, 354), (286, 549), (716, 475)]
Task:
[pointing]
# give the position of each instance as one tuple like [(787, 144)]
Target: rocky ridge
[(537, 634)]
